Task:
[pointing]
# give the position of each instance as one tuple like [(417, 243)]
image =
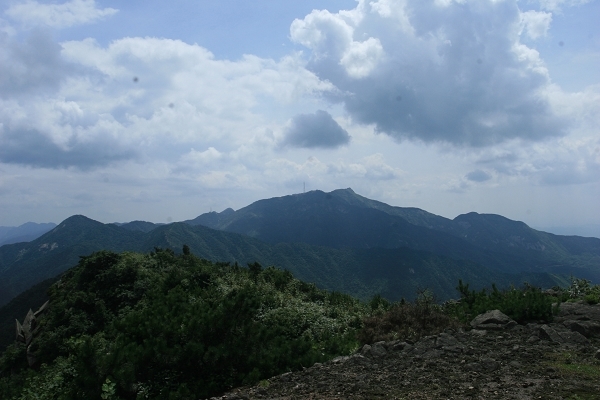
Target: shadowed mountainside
[(343, 218)]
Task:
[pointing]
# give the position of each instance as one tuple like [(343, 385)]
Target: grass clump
[(424, 316), (407, 321)]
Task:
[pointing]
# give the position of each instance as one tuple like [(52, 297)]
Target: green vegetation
[(405, 320), (526, 304), (425, 316), (573, 365), (161, 325), (579, 289), (175, 326)]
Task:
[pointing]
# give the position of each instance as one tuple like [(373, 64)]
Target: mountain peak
[(347, 190), (78, 219)]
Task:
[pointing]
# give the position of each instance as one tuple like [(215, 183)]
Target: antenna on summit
[(304, 189)]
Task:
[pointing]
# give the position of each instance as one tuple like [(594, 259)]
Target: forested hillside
[(173, 326), (362, 272)]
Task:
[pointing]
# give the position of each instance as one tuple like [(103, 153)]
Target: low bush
[(526, 304), (579, 289), (407, 321)]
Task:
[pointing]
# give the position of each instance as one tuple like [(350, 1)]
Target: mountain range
[(338, 240), (23, 233)]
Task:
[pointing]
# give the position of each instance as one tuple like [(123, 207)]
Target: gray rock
[(477, 332), (449, 343), (445, 339), (484, 365), (378, 349), (515, 364), (586, 328), (366, 350), (340, 360), (489, 365), (548, 333), (557, 335), (398, 346), (493, 320), (426, 343), (533, 339)]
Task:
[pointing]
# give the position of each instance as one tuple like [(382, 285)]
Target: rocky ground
[(497, 359)]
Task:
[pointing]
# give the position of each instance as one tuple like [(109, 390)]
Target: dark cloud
[(31, 66), (458, 75), (32, 148), (315, 130), (478, 176)]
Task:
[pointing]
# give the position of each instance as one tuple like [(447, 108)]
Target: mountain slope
[(24, 264), (394, 272), (339, 240), (343, 218)]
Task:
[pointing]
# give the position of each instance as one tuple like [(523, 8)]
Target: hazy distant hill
[(586, 230), (141, 226), (343, 218), (23, 233)]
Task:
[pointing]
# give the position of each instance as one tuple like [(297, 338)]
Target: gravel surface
[(560, 360)]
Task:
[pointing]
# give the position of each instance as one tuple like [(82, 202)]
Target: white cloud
[(536, 23), (75, 12), (331, 35), (562, 161), (137, 97), (555, 5), (333, 174), (201, 158), (453, 72), (362, 57)]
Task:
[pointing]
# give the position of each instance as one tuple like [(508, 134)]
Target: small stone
[(515, 364), (366, 349), (478, 332), (533, 339)]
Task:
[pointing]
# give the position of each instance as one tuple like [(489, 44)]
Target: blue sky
[(162, 111)]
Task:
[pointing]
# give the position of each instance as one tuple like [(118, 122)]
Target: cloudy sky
[(161, 111)]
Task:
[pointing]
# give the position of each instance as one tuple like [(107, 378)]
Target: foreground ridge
[(496, 359)]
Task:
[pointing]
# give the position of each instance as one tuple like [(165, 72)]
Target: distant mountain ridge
[(339, 240), (343, 218), (23, 233)]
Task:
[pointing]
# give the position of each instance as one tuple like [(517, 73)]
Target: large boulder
[(493, 320), (586, 328)]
